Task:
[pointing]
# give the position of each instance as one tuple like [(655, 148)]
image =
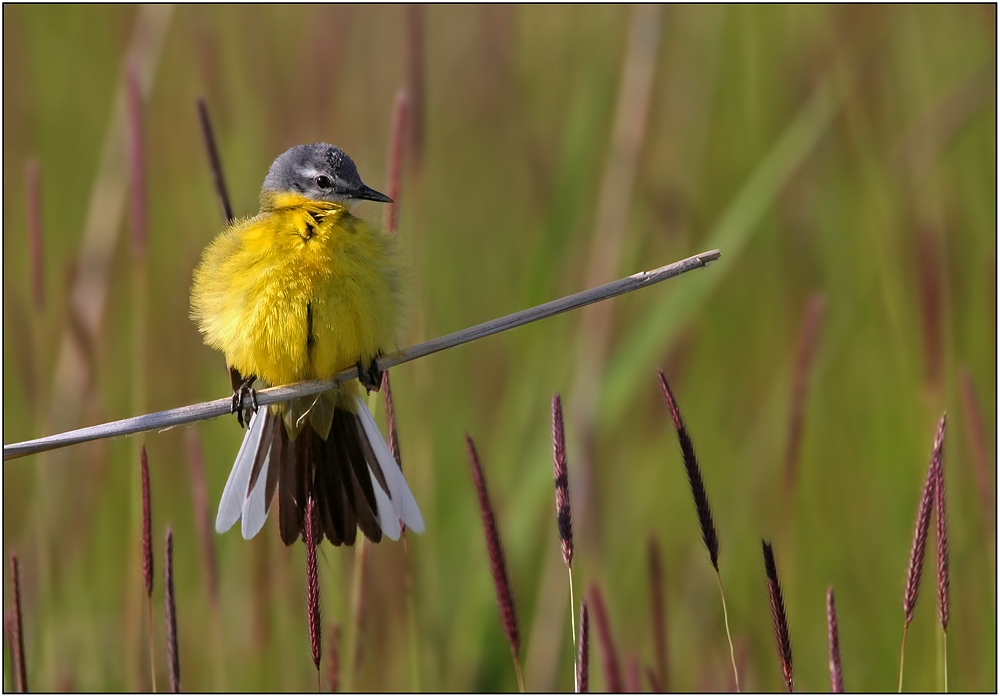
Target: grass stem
[(902, 655), (729, 636), (944, 657), (572, 624), (152, 648)]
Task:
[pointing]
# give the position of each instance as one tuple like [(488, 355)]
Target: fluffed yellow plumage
[(300, 291)]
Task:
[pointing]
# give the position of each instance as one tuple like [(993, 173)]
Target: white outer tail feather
[(232, 501), (403, 502)]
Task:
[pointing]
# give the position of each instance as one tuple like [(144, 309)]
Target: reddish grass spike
[(202, 515), (498, 564), (658, 614), (612, 671), (17, 647), (136, 162), (147, 557), (778, 615), (390, 420), (941, 538), (333, 659), (583, 650), (147, 525), (312, 583), (397, 138), (916, 565), (32, 194), (833, 639), (704, 511), (173, 654), (805, 352), (564, 517), (214, 161)]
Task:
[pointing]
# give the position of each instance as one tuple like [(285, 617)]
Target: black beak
[(369, 194)]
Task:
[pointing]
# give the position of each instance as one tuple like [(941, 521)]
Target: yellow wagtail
[(301, 291)]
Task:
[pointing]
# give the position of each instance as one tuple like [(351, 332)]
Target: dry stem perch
[(273, 395)]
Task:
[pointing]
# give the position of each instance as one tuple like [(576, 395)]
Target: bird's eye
[(324, 182)]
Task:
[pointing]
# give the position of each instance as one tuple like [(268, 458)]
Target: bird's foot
[(245, 388), (370, 377)]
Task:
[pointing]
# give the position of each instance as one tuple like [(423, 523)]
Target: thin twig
[(220, 407)]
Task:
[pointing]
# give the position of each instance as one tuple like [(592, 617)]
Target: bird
[(300, 291)]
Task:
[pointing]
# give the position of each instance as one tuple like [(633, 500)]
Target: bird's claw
[(243, 415), (370, 377)]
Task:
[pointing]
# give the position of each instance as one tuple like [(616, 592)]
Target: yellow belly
[(298, 292)]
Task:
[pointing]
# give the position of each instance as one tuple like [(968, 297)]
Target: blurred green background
[(841, 154)]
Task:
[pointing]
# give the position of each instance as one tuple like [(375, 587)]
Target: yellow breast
[(301, 291)]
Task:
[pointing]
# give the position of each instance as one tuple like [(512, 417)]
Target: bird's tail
[(351, 474)]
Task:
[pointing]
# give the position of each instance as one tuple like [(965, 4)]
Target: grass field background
[(840, 156)]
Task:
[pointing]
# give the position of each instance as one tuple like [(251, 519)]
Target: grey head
[(321, 172)]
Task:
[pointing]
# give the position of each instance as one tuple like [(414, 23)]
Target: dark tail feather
[(291, 465), (336, 472)]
